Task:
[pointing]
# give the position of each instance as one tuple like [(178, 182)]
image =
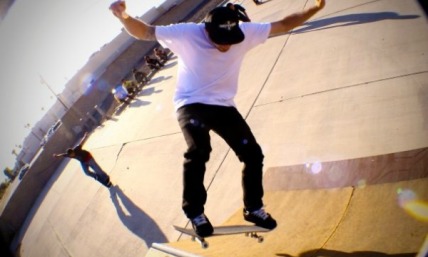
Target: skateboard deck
[(248, 230)]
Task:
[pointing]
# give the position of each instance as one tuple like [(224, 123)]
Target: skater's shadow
[(334, 253), (351, 19), (135, 219)]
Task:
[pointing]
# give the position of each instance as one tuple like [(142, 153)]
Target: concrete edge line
[(423, 252), (173, 251)]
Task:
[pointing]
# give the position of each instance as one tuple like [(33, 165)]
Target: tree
[(3, 187), (9, 173)]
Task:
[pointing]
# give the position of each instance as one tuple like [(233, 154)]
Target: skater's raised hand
[(118, 8), (135, 27), (320, 3)]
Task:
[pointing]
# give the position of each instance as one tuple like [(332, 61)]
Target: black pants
[(196, 120)]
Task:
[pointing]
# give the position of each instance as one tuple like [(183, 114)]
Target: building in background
[(88, 77)]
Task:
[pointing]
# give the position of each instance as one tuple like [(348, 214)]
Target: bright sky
[(52, 39)]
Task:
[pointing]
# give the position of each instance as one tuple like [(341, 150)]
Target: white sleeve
[(173, 36), (255, 33)]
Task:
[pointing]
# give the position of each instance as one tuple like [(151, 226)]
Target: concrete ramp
[(351, 221), (357, 207)]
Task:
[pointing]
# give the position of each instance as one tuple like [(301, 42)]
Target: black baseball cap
[(222, 25)]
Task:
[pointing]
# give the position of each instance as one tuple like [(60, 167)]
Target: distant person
[(240, 11), (153, 63), (121, 94), (87, 161), (160, 54), (130, 86), (210, 56), (139, 76)]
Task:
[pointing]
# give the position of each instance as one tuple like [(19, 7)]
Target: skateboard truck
[(255, 235), (204, 244)]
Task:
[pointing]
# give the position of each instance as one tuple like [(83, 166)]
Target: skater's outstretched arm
[(83, 140), (59, 155), (70, 151), (295, 20)]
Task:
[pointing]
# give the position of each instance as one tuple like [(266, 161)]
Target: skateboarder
[(210, 55), (87, 161)]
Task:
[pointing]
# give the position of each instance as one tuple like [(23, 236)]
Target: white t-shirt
[(206, 75)]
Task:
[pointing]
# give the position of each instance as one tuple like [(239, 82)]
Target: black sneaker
[(109, 184), (202, 225), (260, 218)]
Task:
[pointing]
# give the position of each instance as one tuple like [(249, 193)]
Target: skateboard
[(248, 230)]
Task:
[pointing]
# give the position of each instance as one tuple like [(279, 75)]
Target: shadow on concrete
[(334, 253), (133, 104), (112, 118), (174, 57), (135, 219), (138, 103), (159, 79), (351, 19), (121, 108), (150, 91), (170, 64), (16, 243)]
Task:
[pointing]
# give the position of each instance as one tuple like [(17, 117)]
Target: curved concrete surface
[(340, 108), (324, 217)]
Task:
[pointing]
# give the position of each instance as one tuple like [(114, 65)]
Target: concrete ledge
[(170, 251)]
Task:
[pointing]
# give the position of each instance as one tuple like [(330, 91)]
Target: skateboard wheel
[(202, 242), (204, 245), (260, 239)]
